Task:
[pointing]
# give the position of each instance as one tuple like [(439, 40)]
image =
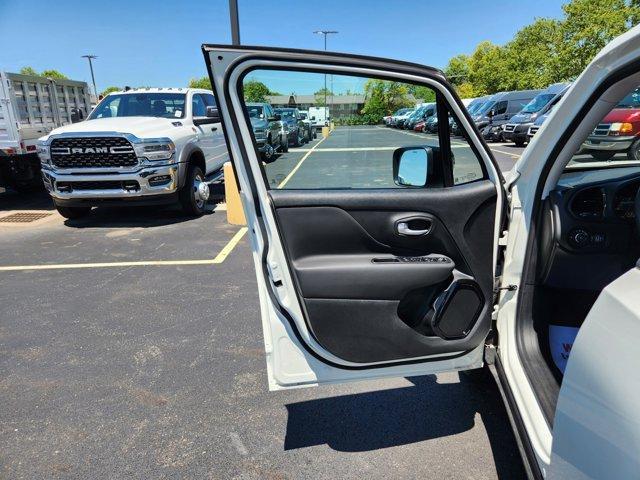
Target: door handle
[(403, 229), (213, 129)]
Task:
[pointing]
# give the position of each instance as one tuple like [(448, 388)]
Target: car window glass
[(500, 108), (358, 153), (198, 106), (209, 99)]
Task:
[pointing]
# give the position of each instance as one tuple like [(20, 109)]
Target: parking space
[(131, 346)]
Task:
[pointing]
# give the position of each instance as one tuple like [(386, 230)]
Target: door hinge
[(490, 354), (502, 241)]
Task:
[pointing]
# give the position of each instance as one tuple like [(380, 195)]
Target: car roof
[(161, 90)]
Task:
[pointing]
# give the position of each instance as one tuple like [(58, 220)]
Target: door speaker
[(457, 309)]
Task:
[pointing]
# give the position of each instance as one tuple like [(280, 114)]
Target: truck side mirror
[(76, 115), (213, 113), (492, 113)]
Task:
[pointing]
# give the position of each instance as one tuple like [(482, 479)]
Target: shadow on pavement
[(36, 200), (400, 416)]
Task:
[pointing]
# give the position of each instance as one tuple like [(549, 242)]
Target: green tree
[(488, 68), (320, 96), (108, 90), (255, 91), (29, 71), (465, 90), (203, 82), (457, 70), (589, 25), (531, 56), (55, 74), (383, 98)]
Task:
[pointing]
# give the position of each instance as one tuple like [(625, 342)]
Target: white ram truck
[(147, 146)]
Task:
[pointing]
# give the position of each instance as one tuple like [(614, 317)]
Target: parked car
[(497, 110), (294, 127), (533, 129), (142, 146), (30, 107), (308, 122), (397, 121), (451, 272), (619, 131), (516, 129), (391, 120), (419, 127), (267, 130), (423, 111)]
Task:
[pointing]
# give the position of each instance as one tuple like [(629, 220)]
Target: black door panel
[(370, 293)]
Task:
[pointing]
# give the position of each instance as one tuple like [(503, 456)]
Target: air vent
[(589, 203)]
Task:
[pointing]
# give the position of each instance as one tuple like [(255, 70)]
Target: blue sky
[(157, 43)]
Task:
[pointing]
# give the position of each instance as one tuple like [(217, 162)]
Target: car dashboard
[(589, 234)]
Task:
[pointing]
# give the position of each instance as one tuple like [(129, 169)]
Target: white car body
[(597, 420), (188, 140)]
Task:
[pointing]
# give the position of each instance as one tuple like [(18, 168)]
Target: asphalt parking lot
[(131, 347)]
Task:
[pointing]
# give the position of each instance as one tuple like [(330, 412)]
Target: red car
[(419, 127), (619, 131)]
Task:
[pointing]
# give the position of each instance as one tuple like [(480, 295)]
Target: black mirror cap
[(213, 112), (76, 115), (397, 155)]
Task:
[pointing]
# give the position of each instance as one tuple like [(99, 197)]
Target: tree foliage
[(55, 74), (546, 51), (383, 97), (108, 90), (203, 82)]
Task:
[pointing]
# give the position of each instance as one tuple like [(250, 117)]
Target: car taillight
[(621, 128)]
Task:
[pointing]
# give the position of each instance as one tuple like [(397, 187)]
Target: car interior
[(588, 236)]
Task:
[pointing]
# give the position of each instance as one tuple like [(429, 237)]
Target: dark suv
[(293, 125), (267, 129)]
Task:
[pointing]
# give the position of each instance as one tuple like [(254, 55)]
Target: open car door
[(374, 248)]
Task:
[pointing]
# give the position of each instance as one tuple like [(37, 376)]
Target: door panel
[(361, 275), (364, 301)]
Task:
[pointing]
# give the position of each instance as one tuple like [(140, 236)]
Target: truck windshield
[(538, 102), (630, 101), (255, 111), (485, 107), (286, 113), (166, 105)]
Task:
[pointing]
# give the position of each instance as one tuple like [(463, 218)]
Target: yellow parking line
[(295, 169), (224, 253), (229, 246)]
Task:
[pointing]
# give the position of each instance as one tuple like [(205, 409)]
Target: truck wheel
[(284, 145), (73, 212), (195, 193), (603, 155), (298, 141), (634, 151), (519, 143)]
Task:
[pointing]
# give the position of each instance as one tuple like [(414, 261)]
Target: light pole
[(93, 78), (235, 23), (325, 33)]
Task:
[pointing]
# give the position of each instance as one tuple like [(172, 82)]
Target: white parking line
[(503, 152), (224, 253)]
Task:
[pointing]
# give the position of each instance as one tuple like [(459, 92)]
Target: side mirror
[(76, 115), (492, 113), (412, 166), (212, 116), (313, 118), (277, 116)]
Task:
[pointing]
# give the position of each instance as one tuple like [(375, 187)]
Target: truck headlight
[(42, 147), (156, 149), (620, 128)]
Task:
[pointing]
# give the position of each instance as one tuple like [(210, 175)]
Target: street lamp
[(325, 33), (93, 78)]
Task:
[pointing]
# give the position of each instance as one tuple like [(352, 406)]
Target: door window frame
[(261, 217)]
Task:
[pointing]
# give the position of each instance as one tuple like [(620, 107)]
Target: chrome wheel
[(200, 191)]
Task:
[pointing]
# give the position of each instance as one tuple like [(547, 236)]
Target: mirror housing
[(213, 116), (412, 166), (76, 115)]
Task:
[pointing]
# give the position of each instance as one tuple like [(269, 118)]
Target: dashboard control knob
[(579, 237)]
